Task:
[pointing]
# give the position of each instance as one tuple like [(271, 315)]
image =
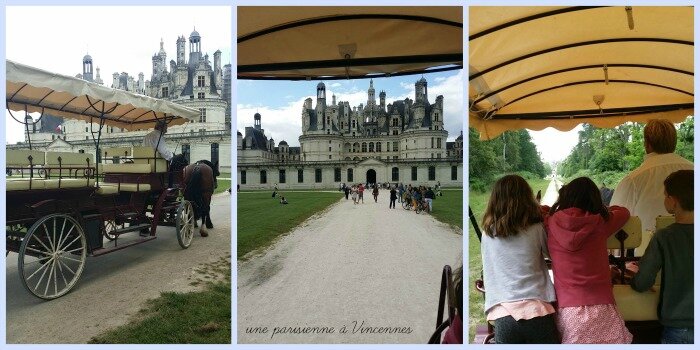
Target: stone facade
[(401, 142), (194, 81)]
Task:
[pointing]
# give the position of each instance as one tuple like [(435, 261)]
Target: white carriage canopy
[(538, 67), (323, 42), (38, 91)]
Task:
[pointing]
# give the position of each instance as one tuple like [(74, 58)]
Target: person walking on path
[(401, 193), (392, 198), (361, 191), (429, 196), (354, 194), (375, 193), (347, 192)]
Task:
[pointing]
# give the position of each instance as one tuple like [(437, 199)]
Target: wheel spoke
[(69, 258), (48, 236), (71, 242), (60, 236), (74, 250), (60, 245), (48, 280), (37, 261), (55, 275), (42, 275), (37, 251), (60, 269), (35, 272), (66, 266), (48, 250)]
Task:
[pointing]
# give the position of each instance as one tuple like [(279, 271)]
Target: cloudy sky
[(119, 39), (280, 102), (555, 145)]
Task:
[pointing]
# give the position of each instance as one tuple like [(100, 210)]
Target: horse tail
[(193, 190)]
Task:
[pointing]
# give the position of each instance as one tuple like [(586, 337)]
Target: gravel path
[(348, 265), (114, 286), (552, 193)]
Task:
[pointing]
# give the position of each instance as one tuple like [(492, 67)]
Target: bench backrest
[(633, 228), (68, 160), (147, 155), (120, 153), (20, 157), (662, 221)]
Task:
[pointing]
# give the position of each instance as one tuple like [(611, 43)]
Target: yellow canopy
[(538, 67), (331, 42), (36, 91)]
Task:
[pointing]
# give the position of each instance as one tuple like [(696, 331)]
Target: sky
[(555, 145), (280, 102), (57, 38)]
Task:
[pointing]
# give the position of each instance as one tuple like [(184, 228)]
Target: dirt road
[(114, 286), (348, 265), (552, 193)]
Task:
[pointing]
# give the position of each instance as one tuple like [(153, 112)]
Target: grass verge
[(448, 208), (262, 218), (477, 202), (201, 317)]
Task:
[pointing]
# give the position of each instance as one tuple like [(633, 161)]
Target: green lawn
[(448, 208), (262, 218), (202, 317), (478, 201)]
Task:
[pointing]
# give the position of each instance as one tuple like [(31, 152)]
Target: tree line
[(512, 152)]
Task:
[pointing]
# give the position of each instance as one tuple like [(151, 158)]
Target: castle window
[(202, 115), (300, 176), (214, 153), (431, 173), (200, 95), (371, 146), (243, 179), (330, 156), (396, 146), (283, 176), (349, 175), (414, 173), (337, 175), (263, 176), (330, 148), (439, 155), (436, 116), (432, 143), (164, 92), (439, 142), (379, 146), (200, 81), (186, 151), (364, 147), (454, 172), (394, 132), (319, 176), (395, 174)]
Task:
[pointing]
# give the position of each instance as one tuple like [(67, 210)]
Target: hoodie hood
[(571, 227)]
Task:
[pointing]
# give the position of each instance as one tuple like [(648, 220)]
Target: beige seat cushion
[(128, 187), (24, 184), (147, 155), (20, 157), (633, 227), (106, 189), (68, 183), (635, 306), (128, 168)]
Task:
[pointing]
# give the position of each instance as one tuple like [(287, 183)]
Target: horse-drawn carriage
[(63, 207), (539, 67)]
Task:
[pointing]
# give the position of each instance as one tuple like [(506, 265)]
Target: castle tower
[(217, 67), (87, 67), (321, 94), (98, 79), (257, 123), (142, 85), (370, 94), (421, 90), (115, 80), (195, 42), (382, 100), (333, 100), (180, 50)]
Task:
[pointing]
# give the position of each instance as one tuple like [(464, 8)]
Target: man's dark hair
[(679, 185)]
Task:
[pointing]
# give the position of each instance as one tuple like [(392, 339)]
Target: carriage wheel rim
[(185, 224), (52, 256)]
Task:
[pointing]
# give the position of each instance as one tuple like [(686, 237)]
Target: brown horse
[(199, 184)]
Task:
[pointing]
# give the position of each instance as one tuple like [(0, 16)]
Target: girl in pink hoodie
[(578, 227)]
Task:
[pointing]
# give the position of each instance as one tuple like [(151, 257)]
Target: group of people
[(578, 307), (420, 195), (283, 200)]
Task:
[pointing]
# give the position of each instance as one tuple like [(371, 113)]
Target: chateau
[(401, 142), (191, 80)]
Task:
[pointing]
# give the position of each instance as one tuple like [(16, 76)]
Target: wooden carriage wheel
[(184, 224), (52, 256)]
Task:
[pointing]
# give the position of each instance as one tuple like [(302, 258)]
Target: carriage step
[(102, 251), (128, 215), (127, 229)]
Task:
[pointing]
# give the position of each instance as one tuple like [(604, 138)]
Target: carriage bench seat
[(114, 188), (634, 306), (125, 168), (23, 184)]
